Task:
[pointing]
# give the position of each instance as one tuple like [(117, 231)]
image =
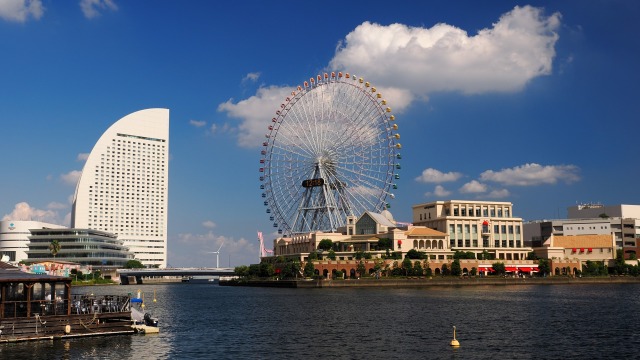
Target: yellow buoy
[(454, 342), (154, 295)]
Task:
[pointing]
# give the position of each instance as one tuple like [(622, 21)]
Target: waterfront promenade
[(433, 281)]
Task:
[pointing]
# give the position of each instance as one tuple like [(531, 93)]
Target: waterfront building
[(476, 226), (363, 234), (84, 246), (124, 185), (622, 221), (579, 248), (14, 237)]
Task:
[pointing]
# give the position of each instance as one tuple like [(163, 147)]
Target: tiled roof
[(582, 241), (423, 231)]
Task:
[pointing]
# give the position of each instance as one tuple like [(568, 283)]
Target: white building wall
[(14, 237), (124, 185)]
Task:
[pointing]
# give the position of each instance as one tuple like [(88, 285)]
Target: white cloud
[(255, 113), (439, 191), (473, 187), (407, 63), (197, 123), (209, 224), (253, 77), (518, 48), (82, 157), (498, 194), (21, 10), (71, 178), (57, 206), (431, 175), (23, 211), (533, 174), (92, 8)]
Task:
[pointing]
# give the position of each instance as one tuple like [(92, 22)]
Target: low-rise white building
[(14, 237)]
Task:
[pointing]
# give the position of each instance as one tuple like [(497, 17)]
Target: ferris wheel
[(331, 151)]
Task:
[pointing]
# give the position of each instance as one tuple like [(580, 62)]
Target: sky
[(533, 103)]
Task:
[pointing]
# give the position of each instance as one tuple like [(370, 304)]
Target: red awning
[(511, 269), (590, 250), (573, 250), (535, 269), (491, 269), (581, 250), (525, 269)]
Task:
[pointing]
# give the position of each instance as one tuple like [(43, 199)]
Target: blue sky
[(529, 102)]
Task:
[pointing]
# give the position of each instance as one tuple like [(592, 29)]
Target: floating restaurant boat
[(36, 307)]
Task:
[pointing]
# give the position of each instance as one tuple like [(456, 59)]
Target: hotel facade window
[(125, 178)]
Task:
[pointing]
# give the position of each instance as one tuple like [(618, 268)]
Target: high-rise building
[(124, 185)]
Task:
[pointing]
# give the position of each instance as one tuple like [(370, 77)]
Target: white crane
[(217, 255)]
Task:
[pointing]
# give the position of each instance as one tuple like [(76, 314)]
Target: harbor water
[(206, 321)]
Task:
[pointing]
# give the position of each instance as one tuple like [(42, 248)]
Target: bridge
[(127, 275)]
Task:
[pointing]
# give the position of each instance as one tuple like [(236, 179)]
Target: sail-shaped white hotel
[(124, 185)]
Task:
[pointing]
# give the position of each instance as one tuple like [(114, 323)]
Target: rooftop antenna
[(217, 255)]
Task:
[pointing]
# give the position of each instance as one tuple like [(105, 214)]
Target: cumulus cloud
[(71, 178), (82, 157), (533, 174), (498, 194), (197, 123), (255, 113), (253, 77), (209, 224), (473, 186), (21, 10), (503, 58), (439, 191), (408, 63), (92, 8), (57, 206), (24, 212), (431, 175)]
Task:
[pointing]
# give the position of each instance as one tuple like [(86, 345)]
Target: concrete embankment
[(423, 282)]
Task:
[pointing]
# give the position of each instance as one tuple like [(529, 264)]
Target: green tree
[(473, 271), (266, 269), (429, 272), (242, 270), (331, 255), (254, 270), (544, 267), (309, 269), (362, 270), (620, 265), (531, 255), (498, 267), (133, 264), (485, 255), (415, 254), (54, 247), (385, 244), (464, 255), (407, 266), (313, 256), (445, 270), (417, 269), (325, 244), (455, 268)]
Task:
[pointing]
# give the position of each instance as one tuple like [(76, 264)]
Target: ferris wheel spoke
[(334, 130)]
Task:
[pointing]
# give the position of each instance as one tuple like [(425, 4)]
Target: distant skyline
[(528, 102)]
